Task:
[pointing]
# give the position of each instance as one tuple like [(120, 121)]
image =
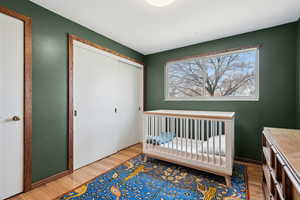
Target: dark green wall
[(298, 76), (50, 30), (276, 106)]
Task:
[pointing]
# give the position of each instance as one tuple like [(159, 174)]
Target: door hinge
[(75, 113)]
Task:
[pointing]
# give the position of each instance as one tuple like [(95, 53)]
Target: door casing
[(27, 168)]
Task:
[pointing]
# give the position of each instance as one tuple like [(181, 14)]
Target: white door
[(128, 96), (94, 104), (11, 104)]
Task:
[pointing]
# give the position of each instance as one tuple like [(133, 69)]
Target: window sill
[(212, 99)]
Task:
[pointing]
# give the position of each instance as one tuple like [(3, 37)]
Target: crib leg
[(145, 158), (228, 181)]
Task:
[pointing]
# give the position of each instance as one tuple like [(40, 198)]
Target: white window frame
[(255, 97)]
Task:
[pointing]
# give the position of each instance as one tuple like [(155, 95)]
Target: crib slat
[(152, 130), (207, 136), (183, 137), (196, 123), (145, 131), (160, 129), (191, 137), (156, 129), (165, 131), (176, 134), (181, 134), (169, 130), (202, 138), (220, 143), (213, 135), (186, 136), (173, 131), (199, 136), (157, 122), (147, 118)]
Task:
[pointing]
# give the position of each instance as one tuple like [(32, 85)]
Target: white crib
[(195, 139)]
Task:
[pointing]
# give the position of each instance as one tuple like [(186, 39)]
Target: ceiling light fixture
[(160, 3)]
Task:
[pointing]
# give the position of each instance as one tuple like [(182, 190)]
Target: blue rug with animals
[(158, 180)]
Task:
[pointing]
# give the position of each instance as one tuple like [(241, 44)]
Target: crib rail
[(206, 138)]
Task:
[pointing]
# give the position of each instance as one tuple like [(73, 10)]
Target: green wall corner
[(298, 76)]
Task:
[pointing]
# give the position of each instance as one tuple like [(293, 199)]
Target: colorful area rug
[(158, 180)]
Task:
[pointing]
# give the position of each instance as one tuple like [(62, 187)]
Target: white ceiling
[(149, 29)]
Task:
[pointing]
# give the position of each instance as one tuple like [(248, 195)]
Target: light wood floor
[(56, 188)]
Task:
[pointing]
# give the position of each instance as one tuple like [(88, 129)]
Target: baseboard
[(127, 147), (51, 178), (248, 160)]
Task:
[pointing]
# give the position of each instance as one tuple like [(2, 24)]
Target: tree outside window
[(226, 76)]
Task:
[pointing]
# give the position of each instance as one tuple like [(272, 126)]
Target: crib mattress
[(197, 147)]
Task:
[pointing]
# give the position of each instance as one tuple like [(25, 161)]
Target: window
[(224, 76)]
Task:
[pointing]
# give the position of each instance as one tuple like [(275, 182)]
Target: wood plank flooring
[(83, 175), (254, 176)]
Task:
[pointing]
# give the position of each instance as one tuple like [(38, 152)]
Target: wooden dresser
[(281, 163)]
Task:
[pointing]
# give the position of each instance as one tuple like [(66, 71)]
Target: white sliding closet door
[(94, 104), (11, 105), (128, 92), (107, 94)]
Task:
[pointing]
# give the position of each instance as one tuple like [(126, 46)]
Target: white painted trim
[(121, 59), (215, 98)]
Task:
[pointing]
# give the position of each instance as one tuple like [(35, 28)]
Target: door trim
[(71, 39), (27, 169)]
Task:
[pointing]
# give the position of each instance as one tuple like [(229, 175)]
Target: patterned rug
[(158, 180)]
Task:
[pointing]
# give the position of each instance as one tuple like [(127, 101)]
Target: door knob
[(16, 118)]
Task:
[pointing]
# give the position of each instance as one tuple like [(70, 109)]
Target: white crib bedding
[(190, 145)]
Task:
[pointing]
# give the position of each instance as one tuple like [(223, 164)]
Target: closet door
[(128, 101), (11, 105), (94, 105)]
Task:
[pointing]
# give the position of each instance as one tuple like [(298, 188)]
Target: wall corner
[(298, 75)]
